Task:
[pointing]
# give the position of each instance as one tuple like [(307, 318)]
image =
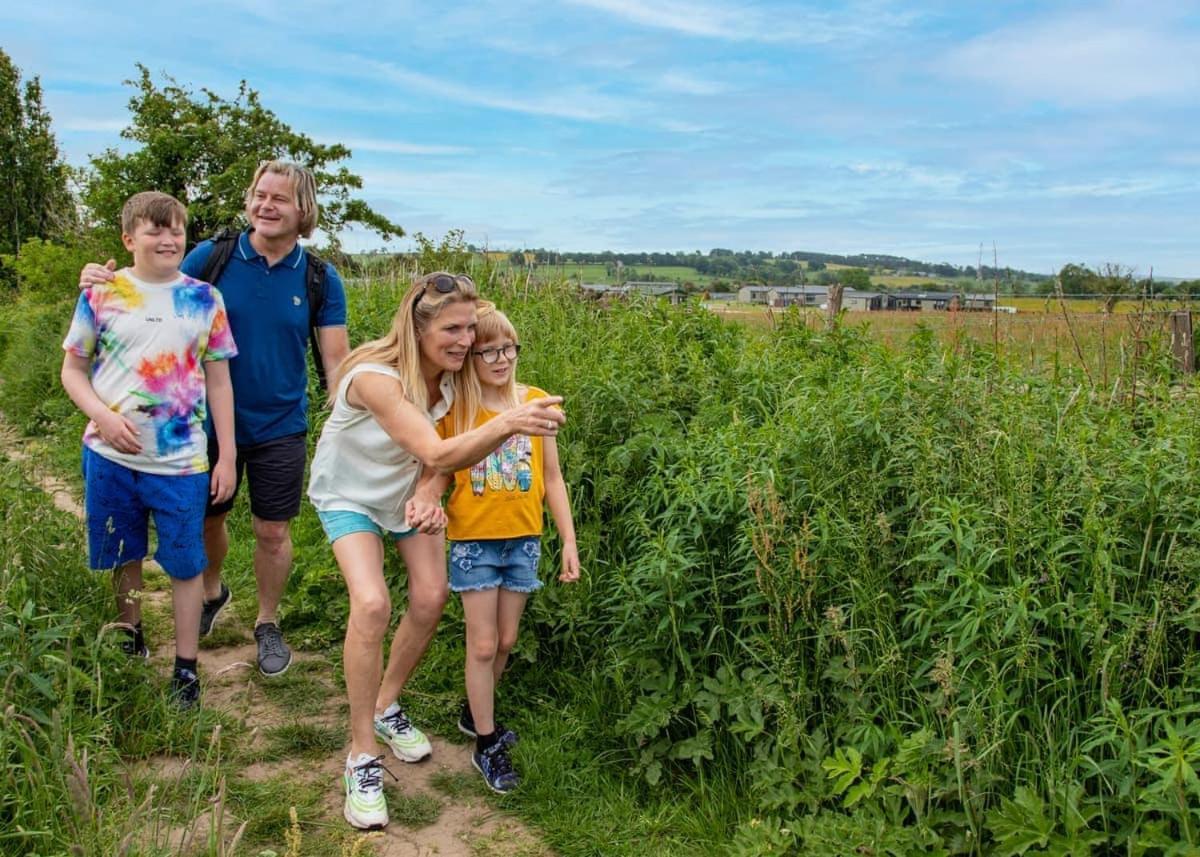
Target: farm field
[(1039, 338), (886, 589), (597, 273)]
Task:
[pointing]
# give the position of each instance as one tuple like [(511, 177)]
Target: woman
[(365, 474)]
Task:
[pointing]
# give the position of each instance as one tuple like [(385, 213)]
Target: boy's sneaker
[(210, 610), (185, 689), (407, 741), (274, 656), (130, 647), (365, 806), (466, 725), (496, 768)]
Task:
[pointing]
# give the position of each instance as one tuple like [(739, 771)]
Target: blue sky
[(1062, 132)]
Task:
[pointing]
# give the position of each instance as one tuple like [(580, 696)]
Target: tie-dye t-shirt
[(147, 344)]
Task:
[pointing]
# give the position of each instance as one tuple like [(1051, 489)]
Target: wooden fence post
[(1181, 342), (833, 305)]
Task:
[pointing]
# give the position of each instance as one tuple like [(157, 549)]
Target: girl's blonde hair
[(399, 347), (304, 191), (491, 325)]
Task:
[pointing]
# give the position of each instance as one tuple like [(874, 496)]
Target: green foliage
[(34, 199), (450, 253), (50, 270), (203, 149), (31, 335), (843, 599), (854, 278)]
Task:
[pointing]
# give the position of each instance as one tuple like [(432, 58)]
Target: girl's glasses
[(492, 355)]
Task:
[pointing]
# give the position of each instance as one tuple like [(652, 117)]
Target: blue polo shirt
[(268, 315)]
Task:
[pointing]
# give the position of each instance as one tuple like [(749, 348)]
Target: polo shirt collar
[(247, 251)]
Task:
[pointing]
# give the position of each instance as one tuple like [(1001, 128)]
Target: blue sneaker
[(185, 689), (496, 768)]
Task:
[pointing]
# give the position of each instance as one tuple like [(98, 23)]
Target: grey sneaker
[(274, 656), (210, 610)]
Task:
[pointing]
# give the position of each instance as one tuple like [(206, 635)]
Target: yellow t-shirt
[(501, 496)]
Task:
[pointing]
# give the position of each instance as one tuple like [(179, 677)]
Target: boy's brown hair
[(155, 207)]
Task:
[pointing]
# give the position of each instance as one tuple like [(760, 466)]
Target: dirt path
[(438, 807)]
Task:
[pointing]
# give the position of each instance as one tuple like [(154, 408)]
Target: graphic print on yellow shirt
[(501, 496), (509, 468)]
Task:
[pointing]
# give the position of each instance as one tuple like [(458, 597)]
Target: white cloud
[(743, 22), (1099, 57), (396, 147), (688, 84), (580, 104)]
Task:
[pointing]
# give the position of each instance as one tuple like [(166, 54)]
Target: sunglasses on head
[(444, 284)]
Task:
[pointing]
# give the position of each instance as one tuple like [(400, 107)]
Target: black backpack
[(314, 286)]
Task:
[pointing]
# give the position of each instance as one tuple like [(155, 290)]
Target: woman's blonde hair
[(399, 347), (491, 325), (304, 191)]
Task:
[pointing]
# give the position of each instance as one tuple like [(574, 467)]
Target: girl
[(495, 526), (375, 443)]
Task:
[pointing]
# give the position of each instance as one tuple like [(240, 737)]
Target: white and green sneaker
[(365, 807), (407, 741)]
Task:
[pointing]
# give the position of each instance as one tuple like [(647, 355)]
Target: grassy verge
[(838, 598)]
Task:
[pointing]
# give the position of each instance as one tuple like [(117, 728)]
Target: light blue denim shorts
[(511, 564), (343, 522)]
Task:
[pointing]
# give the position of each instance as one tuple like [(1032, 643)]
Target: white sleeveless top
[(358, 468)]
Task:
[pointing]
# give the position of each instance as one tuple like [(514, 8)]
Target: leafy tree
[(34, 199), (1114, 281), (816, 265), (1077, 280), (204, 149), (854, 278)]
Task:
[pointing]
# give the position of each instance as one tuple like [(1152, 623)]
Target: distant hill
[(760, 264)]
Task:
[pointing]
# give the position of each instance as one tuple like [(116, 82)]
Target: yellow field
[(908, 282), (1039, 338)]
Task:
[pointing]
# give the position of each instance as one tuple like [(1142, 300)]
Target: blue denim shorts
[(343, 522), (119, 501), (491, 563)]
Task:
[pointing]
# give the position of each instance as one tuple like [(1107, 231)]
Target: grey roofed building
[(865, 301), (910, 300), (979, 300), (778, 296), (671, 291)]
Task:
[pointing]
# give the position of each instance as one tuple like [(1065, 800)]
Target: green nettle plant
[(926, 601)]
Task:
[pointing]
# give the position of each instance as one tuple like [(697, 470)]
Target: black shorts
[(275, 472)]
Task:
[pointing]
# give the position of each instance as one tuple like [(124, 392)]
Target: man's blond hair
[(304, 191)]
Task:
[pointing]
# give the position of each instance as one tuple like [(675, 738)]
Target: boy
[(144, 356)]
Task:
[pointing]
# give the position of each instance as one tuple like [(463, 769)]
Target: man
[(265, 291)]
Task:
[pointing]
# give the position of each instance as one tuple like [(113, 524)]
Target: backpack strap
[(314, 287), (222, 251)]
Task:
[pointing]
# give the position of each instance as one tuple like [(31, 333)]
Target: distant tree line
[(770, 268)]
